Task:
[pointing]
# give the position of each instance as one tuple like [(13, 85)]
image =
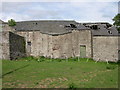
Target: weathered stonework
[(4, 45), (5, 27), (61, 46), (105, 48), (60, 39), (12, 46), (17, 46)]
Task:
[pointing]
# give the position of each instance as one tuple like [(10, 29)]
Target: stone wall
[(12, 46), (61, 46), (4, 45), (105, 48), (17, 46), (6, 27)]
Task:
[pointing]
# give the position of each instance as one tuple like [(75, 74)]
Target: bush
[(59, 60), (11, 22), (72, 86), (28, 58), (73, 59), (110, 67), (42, 57), (40, 60)]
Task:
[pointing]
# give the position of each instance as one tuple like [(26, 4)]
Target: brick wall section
[(17, 46)]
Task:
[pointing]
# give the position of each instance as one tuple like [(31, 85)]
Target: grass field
[(48, 73)]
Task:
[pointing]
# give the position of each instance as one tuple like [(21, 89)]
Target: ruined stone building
[(59, 39)]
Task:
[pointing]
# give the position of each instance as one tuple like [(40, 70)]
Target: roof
[(1, 22), (104, 29), (58, 27), (53, 27)]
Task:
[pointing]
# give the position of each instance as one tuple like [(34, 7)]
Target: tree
[(11, 22), (116, 20)]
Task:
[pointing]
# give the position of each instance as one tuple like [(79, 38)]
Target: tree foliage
[(11, 22), (116, 20)]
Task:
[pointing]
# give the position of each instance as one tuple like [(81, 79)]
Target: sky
[(78, 11)]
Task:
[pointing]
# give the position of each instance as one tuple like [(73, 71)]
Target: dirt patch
[(50, 82), (91, 75)]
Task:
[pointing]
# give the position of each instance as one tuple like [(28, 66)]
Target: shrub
[(72, 86), (110, 67), (11, 22), (42, 57)]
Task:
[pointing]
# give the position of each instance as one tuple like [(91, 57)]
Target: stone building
[(12, 46), (61, 39)]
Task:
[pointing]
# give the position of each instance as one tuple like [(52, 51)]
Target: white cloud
[(94, 12), (79, 11), (15, 16), (60, 0)]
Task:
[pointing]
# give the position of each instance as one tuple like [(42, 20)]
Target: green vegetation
[(11, 22), (116, 20), (41, 72)]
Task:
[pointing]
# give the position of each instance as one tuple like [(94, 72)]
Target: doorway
[(82, 51), (28, 48)]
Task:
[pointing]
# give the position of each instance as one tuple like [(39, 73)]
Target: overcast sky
[(79, 11)]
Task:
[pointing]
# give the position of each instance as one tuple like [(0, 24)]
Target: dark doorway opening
[(29, 47)]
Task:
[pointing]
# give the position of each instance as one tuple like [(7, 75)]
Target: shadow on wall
[(17, 46)]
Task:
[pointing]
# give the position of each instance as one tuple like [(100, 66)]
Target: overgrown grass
[(42, 58), (41, 72)]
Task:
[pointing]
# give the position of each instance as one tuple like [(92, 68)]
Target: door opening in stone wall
[(82, 51), (29, 47)]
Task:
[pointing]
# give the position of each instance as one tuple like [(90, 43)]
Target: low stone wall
[(17, 46), (105, 48)]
